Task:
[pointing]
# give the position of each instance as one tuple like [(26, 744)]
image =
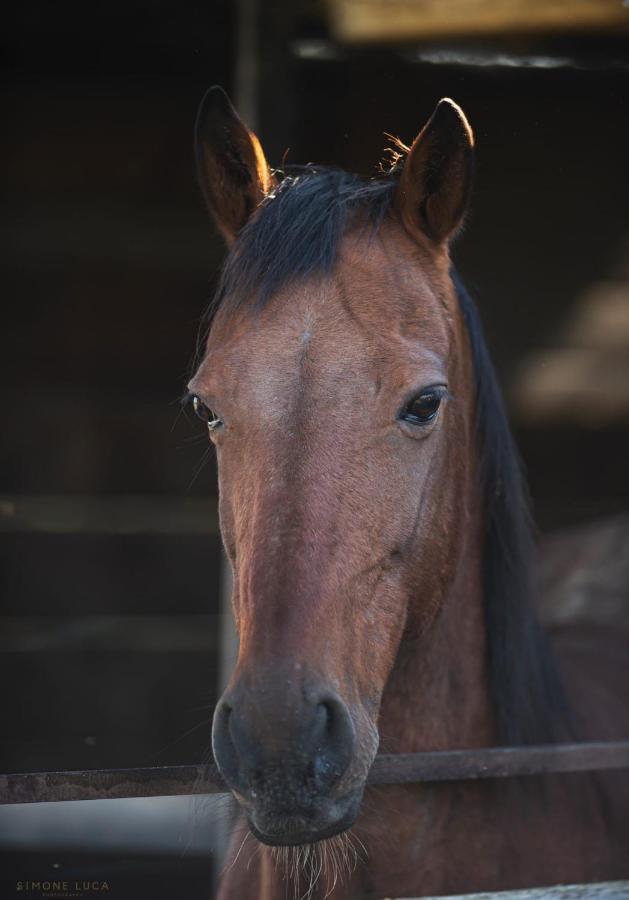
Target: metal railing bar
[(438, 766)]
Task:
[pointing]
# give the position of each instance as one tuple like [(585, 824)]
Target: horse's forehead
[(375, 295), (382, 311), (393, 287), (323, 328), (299, 328)]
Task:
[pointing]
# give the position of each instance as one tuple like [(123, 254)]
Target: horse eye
[(422, 409), (205, 413)]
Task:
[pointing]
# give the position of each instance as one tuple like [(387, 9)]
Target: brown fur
[(356, 550)]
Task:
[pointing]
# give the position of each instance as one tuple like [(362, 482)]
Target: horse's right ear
[(436, 177), (231, 167)]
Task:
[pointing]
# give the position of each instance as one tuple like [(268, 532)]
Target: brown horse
[(375, 518)]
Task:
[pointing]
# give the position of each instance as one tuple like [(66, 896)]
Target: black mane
[(296, 233), (295, 236), (527, 692)]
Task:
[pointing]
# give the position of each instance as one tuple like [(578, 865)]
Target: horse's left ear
[(434, 186), (232, 170)]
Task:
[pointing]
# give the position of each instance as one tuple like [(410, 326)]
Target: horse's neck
[(436, 696)]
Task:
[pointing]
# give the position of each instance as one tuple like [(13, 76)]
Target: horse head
[(337, 386)]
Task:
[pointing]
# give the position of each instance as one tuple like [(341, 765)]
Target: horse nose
[(306, 745)]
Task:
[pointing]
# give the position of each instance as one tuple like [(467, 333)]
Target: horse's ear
[(434, 186), (232, 171)]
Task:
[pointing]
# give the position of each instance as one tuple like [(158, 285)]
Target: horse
[(376, 520)]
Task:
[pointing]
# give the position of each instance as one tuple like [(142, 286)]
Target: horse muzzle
[(287, 757)]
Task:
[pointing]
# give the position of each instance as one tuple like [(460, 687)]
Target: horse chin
[(290, 833), (299, 838)]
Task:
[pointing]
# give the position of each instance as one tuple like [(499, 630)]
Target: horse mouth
[(288, 837), (293, 828)]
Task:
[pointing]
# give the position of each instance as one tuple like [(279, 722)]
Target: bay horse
[(375, 516)]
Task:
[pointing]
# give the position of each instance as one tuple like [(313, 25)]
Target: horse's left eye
[(205, 413), (422, 409)]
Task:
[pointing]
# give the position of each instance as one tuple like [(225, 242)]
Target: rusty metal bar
[(499, 762), (451, 765)]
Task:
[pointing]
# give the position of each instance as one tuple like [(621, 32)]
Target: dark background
[(108, 261)]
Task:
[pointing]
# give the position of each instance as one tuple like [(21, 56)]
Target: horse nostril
[(313, 746), (335, 742), (223, 746), (321, 722)]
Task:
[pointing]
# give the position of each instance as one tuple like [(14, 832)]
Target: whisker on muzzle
[(326, 863)]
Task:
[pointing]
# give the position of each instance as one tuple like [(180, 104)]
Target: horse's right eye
[(205, 413)]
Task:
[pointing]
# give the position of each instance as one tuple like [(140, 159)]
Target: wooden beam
[(107, 633), (604, 890), (356, 21), (121, 514)]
